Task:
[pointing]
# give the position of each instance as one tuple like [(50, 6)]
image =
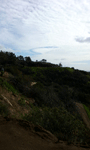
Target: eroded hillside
[(47, 97)]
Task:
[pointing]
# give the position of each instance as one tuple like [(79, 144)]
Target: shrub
[(21, 102), (9, 87), (2, 72), (59, 122), (4, 110)]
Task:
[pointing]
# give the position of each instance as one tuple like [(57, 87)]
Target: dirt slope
[(21, 135), (83, 114)]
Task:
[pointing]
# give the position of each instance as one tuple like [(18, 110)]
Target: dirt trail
[(83, 114), (21, 135)]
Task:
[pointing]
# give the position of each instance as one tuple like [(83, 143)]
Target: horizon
[(58, 31), (45, 61)]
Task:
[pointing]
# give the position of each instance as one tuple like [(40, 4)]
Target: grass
[(40, 69), (8, 86), (69, 69), (87, 110)]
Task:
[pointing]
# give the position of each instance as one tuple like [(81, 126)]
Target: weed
[(21, 102), (2, 72), (4, 110), (9, 87), (31, 104)]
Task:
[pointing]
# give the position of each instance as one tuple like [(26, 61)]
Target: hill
[(52, 97)]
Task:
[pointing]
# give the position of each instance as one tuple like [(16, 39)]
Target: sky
[(55, 30)]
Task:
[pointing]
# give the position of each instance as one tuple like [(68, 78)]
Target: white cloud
[(2, 48), (83, 40), (28, 24)]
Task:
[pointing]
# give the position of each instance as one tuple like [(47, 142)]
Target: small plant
[(4, 110), (21, 102), (31, 104), (9, 87), (2, 72)]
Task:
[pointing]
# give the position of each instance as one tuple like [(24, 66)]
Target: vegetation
[(56, 90), (87, 110), (21, 102), (4, 111), (59, 121), (7, 85)]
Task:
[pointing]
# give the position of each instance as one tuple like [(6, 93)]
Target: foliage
[(2, 72), (56, 90), (58, 121), (21, 102), (4, 111), (8, 86), (87, 110)]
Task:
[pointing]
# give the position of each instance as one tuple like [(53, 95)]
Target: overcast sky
[(55, 30)]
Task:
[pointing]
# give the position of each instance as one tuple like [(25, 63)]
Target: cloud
[(2, 48), (46, 29), (82, 62), (83, 40), (43, 50)]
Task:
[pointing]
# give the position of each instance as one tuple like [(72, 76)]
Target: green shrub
[(21, 102), (9, 87), (2, 72), (4, 111), (59, 122)]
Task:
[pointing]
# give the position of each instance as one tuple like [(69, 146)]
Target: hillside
[(50, 101), (21, 135)]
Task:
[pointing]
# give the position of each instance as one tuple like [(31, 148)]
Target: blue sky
[(55, 30)]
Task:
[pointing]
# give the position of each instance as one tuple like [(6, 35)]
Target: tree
[(28, 60), (10, 57), (20, 58), (43, 60), (60, 65)]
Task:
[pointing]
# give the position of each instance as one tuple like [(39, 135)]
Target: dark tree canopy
[(9, 58)]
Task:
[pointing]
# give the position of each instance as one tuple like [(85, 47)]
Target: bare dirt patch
[(33, 83), (11, 100), (83, 114)]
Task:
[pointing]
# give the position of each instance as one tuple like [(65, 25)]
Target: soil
[(21, 135), (83, 114)]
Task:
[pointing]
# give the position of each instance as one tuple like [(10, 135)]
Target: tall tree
[(28, 60)]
